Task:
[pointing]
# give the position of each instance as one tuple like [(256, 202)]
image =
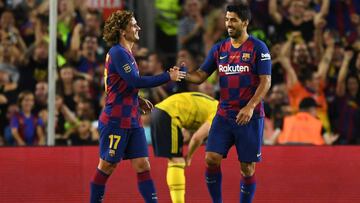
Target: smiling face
[(131, 33), (234, 25)]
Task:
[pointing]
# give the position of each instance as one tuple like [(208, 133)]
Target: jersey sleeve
[(125, 67), (40, 122), (14, 123), (211, 118), (209, 65), (263, 59)]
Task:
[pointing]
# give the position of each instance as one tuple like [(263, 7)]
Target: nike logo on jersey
[(265, 57), (228, 69), (258, 155), (222, 57)]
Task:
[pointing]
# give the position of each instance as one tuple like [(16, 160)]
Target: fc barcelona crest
[(245, 56), (112, 153)]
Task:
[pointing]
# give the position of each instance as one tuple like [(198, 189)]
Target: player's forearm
[(150, 81), (193, 145), (198, 138), (261, 91), (325, 62), (196, 77)]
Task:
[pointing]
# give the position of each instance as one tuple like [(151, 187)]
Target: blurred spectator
[(311, 84), (276, 108), (215, 29), (41, 96), (27, 128), (91, 26), (304, 127), (8, 95), (295, 18), (65, 118), (12, 109), (85, 110), (191, 28), (188, 59), (159, 93), (64, 85), (36, 69), (66, 19), (347, 104), (85, 55), (84, 134), (343, 18), (356, 67), (166, 25), (81, 88)]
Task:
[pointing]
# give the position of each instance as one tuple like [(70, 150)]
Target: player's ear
[(122, 33), (245, 23)]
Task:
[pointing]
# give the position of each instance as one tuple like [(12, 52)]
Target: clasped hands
[(176, 74)]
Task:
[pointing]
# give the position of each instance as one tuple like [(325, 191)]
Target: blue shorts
[(247, 138), (118, 143)]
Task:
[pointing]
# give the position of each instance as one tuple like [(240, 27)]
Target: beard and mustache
[(234, 33)]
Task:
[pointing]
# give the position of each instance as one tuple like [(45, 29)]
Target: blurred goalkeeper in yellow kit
[(171, 119)]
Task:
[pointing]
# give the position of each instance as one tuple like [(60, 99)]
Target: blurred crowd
[(314, 44)]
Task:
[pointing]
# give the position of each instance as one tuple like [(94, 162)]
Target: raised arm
[(340, 85), (324, 9), (318, 36), (291, 77), (284, 59), (75, 46), (325, 61), (274, 13)]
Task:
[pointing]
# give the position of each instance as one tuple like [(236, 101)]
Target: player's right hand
[(176, 74)]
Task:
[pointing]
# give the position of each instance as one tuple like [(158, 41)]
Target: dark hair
[(94, 12), (306, 75), (116, 22), (242, 10), (307, 103), (353, 76), (67, 65)]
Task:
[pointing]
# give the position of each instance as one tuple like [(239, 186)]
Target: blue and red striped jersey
[(26, 126), (239, 70), (122, 80)]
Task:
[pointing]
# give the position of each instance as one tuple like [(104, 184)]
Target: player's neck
[(237, 42), (127, 44)]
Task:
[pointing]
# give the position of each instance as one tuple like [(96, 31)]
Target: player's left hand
[(145, 105), (244, 115), (187, 160)]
